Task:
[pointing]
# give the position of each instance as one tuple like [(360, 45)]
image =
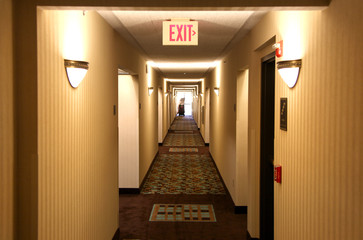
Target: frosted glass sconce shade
[(289, 71), (76, 70), (216, 90), (150, 89)]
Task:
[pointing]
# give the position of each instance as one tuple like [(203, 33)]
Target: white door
[(128, 131)]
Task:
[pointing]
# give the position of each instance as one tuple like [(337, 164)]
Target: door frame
[(266, 150), (160, 115), (207, 116)]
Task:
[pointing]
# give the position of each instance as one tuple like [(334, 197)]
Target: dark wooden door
[(267, 149)]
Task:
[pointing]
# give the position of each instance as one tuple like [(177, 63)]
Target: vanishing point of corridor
[(183, 196)]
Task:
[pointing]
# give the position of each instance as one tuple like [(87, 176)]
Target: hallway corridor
[(182, 173), (91, 149)]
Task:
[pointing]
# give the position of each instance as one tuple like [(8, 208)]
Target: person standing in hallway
[(181, 107)]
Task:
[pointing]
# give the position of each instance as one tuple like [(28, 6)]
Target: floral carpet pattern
[(183, 174), (183, 140), (183, 149), (184, 123), (183, 165)]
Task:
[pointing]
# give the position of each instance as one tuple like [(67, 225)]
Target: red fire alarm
[(279, 48), (277, 173)]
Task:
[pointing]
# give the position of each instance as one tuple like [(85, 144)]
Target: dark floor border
[(250, 238), (240, 209), (116, 236), (148, 171), (129, 191)]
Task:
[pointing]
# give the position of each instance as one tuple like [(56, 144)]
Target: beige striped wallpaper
[(321, 155), (78, 162), (6, 123)]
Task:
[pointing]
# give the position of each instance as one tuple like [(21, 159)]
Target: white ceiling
[(219, 31)]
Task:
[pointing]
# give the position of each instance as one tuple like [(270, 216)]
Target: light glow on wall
[(74, 42), (165, 86), (218, 75), (291, 29), (149, 68)]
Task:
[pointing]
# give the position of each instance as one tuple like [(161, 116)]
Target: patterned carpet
[(183, 174), (183, 126), (183, 165), (181, 179), (184, 123), (183, 140), (183, 149)]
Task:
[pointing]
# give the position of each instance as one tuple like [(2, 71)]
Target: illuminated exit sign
[(180, 33)]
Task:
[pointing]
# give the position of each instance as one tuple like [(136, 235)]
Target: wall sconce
[(76, 70), (216, 90), (150, 90), (289, 71)]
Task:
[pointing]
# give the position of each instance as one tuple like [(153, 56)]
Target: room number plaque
[(283, 114)]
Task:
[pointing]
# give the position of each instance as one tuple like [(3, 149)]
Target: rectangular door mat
[(182, 213), (183, 149)]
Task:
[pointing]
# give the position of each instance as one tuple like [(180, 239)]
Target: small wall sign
[(283, 114)]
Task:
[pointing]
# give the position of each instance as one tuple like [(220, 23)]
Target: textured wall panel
[(6, 122), (78, 191), (321, 193), (321, 155), (223, 123)]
